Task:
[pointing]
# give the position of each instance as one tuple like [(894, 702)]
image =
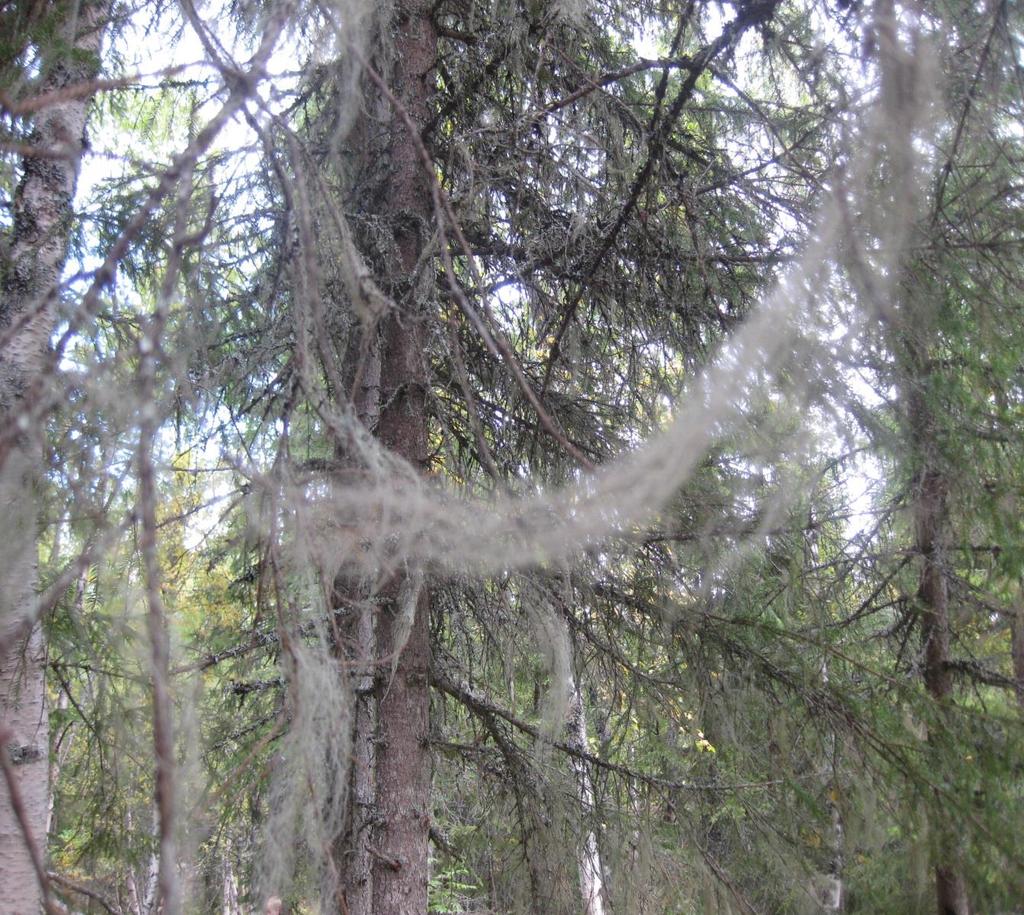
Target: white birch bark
[(29, 274), (591, 878), (229, 892)]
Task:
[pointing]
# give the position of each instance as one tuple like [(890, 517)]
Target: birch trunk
[(591, 872), (229, 892), (31, 267)]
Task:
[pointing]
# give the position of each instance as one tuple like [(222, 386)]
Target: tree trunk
[(1017, 647), (403, 767), (831, 889), (931, 535), (31, 269), (229, 890), (358, 872), (591, 871)]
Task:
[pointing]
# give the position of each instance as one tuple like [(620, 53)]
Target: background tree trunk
[(591, 870), (1017, 647), (32, 265)]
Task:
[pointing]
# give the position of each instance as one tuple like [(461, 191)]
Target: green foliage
[(726, 704)]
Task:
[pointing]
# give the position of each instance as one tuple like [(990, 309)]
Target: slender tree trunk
[(1017, 648), (31, 268), (403, 767), (591, 872), (833, 887), (360, 632), (359, 868), (931, 535), (383, 855), (59, 754), (913, 343), (149, 898), (229, 892)]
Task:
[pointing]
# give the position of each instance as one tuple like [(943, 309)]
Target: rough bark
[(397, 845), (931, 532), (933, 589), (403, 768), (31, 267), (358, 887), (403, 771), (359, 631)]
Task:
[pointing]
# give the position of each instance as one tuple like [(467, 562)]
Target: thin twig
[(82, 890)]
